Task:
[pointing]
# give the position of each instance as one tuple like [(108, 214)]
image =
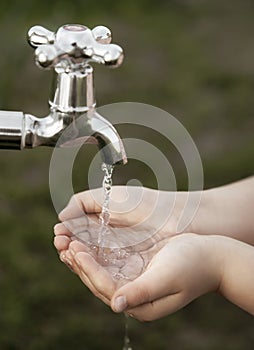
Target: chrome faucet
[(73, 117)]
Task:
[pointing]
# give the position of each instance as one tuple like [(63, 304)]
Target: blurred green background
[(192, 58)]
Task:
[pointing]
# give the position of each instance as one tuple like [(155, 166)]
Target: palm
[(141, 223), (125, 251)]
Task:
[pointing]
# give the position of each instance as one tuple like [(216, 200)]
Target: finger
[(67, 255), (61, 242), (75, 247), (97, 275), (91, 287), (81, 203), (159, 308), (61, 229), (64, 257)]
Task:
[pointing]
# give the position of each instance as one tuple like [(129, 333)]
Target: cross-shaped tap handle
[(73, 46)]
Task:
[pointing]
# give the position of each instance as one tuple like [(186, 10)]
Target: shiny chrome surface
[(59, 130), (73, 91), (11, 129), (74, 44), (73, 118)]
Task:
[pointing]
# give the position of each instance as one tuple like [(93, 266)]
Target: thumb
[(148, 287), (80, 203), (129, 296), (155, 283)]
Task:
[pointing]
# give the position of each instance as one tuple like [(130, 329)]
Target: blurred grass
[(192, 58)]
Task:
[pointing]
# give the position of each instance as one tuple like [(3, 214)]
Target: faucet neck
[(73, 89)]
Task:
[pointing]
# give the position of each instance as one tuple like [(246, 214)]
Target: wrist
[(201, 220), (211, 261), (213, 246), (227, 211), (236, 282), (203, 260), (192, 208)]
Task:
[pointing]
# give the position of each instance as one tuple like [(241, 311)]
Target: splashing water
[(115, 259), (124, 263)]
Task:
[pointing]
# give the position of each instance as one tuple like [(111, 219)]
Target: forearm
[(227, 210), (237, 283)]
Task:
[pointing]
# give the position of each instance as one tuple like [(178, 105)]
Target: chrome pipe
[(11, 130)]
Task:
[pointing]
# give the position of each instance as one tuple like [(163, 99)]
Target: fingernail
[(120, 304), (62, 257)]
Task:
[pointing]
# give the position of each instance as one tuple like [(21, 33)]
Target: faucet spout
[(108, 141), (62, 130)]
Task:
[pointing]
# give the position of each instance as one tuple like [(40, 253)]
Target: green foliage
[(191, 58)]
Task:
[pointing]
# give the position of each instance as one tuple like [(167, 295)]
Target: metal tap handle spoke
[(73, 46), (38, 35)]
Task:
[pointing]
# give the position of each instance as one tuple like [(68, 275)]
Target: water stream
[(126, 340), (104, 218), (113, 258), (105, 254)]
